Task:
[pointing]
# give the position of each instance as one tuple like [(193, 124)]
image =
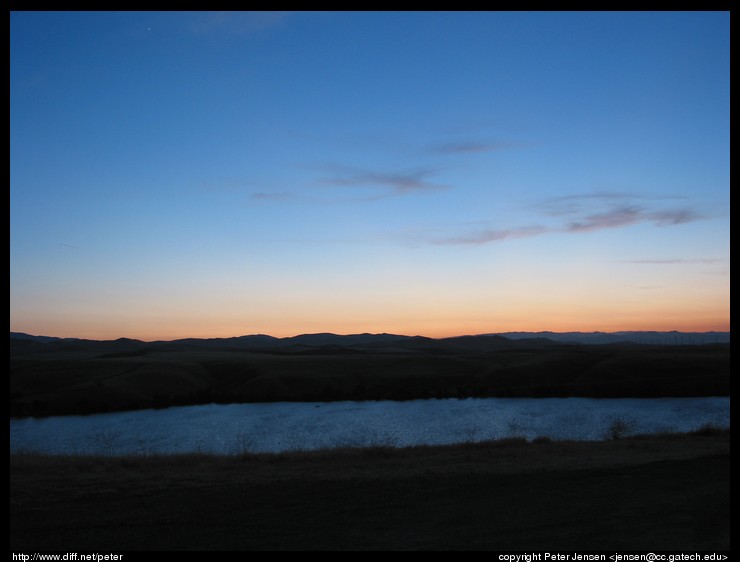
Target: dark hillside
[(85, 376)]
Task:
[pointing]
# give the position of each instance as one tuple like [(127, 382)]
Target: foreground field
[(669, 492)]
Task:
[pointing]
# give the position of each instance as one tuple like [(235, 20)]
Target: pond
[(285, 426)]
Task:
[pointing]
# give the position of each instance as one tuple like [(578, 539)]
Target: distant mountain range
[(307, 343), (642, 337), (304, 343)]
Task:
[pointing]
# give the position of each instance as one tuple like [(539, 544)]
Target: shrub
[(709, 429), (511, 442), (617, 429)]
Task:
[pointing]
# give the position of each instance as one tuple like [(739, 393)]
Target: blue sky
[(214, 174)]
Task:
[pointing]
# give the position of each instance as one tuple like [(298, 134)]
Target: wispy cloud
[(493, 235), (625, 216), (621, 216), (361, 186), (397, 183), (582, 214), (582, 203), (573, 204), (678, 216)]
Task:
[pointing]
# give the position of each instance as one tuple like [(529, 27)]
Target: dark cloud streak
[(620, 216), (492, 235), (398, 183), (680, 216), (583, 214)]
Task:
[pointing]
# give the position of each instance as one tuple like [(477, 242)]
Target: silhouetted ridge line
[(324, 339)]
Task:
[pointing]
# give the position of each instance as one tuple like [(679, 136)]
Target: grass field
[(80, 381), (667, 492)]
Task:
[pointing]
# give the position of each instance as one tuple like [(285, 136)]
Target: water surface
[(282, 426)]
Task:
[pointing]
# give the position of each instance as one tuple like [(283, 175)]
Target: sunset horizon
[(407, 333), (208, 174)]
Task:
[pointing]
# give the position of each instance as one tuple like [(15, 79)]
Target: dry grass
[(77, 382), (667, 492)]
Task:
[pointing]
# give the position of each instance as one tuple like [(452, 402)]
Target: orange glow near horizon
[(415, 306), (427, 329), (418, 303)]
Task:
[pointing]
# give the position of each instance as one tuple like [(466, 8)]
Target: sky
[(216, 174)]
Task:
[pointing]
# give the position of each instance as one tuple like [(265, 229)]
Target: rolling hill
[(51, 376)]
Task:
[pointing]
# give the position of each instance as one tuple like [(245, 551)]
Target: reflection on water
[(281, 426)]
